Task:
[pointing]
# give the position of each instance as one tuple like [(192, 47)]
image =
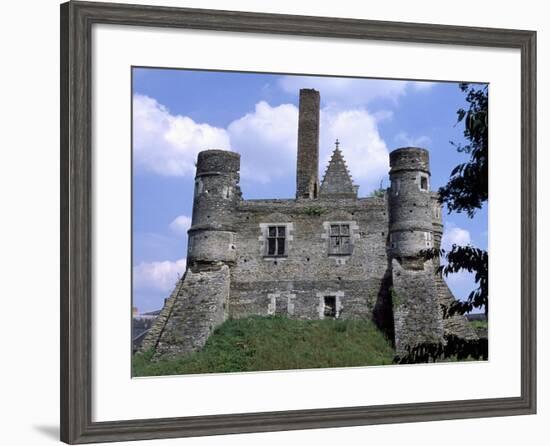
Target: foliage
[(277, 343), (453, 349), (314, 211), (473, 260), (467, 188), (378, 193)]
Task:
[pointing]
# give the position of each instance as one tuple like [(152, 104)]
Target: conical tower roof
[(337, 181)]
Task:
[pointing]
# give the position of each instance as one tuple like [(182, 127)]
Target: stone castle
[(328, 253)]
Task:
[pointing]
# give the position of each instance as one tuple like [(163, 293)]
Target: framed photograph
[(275, 222)]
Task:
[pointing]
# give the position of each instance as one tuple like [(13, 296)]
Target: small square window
[(340, 240)]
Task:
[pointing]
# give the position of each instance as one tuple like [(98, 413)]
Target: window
[(428, 239), (396, 185), (340, 240), (423, 182), (330, 307), (281, 304), (276, 241)]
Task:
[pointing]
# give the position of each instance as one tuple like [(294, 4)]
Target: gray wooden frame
[(77, 19)]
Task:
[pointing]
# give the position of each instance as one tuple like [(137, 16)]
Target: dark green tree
[(467, 188), (471, 259), (467, 191)]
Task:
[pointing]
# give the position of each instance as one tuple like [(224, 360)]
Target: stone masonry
[(325, 254)]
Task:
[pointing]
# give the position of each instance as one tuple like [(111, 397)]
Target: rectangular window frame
[(340, 241), (276, 241), (330, 307)]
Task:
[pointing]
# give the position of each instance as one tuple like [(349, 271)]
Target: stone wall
[(308, 272), (151, 340), (456, 325), (417, 314), (307, 165)]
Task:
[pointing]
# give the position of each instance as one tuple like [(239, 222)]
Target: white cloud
[(181, 224), (454, 235), (404, 139), (461, 282), (266, 139), (363, 148), (383, 115), (168, 144), (161, 276), (422, 85), (348, 91)]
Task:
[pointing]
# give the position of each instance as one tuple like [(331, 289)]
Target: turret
[(417, 311), (307, 166), (411, 203), (217, 191)]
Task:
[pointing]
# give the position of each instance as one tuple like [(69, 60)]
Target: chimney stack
[(307, 169)]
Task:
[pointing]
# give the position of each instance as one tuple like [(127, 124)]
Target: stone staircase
[(153, 334), (194, 309)]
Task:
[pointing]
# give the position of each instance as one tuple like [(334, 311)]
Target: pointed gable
[(337, 181)]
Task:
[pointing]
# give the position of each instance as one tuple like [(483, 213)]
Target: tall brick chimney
[(307, 168)]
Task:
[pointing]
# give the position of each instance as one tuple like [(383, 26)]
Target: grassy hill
[(278, 343)]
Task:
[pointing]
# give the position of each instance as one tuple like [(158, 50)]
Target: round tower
[(411, 202), (217, 191)]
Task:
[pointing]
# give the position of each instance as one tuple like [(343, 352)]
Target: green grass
[(479, 324), (277, 343)]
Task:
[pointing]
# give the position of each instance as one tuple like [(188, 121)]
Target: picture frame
[(77, 20)]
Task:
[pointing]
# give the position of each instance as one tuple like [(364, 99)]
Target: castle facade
[(328, 253)]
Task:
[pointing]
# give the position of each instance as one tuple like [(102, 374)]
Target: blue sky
[(177, 113)]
